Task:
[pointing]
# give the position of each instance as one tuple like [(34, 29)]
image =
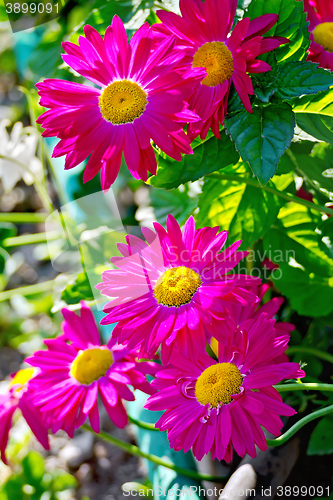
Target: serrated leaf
[(321, 439), (208, 156), (262, 137), (291, 24), (299, 78), (314, 115), (264, 85), (247, 212)]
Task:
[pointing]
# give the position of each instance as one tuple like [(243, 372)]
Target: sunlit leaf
[(208, 156), (291, 24), (247, 212)]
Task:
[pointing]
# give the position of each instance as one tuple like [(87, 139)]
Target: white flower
[(22, 149)]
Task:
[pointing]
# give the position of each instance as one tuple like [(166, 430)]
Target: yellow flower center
[(122, 102), (218, 61), (217, 384), (91, 364), (177, 286), (21, 378), (323, 35)]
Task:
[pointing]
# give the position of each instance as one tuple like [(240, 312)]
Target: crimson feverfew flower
[(320, 17), (18, 398), (77, 368), (141, 97), (215, 406), (202, 34), (174, 290)]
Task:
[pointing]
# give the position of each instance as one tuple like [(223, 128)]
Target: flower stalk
[(23, 217), (134, 450), (296, 427)]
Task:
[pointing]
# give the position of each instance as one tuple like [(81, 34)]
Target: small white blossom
[(21, 147)]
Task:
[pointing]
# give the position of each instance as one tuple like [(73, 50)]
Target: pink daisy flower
[(320, 16), (243, 317), (141, 97), (73, 374), (18, 398), (174, 289), (202, 33), (216, 405)]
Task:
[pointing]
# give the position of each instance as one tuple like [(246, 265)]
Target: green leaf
[(80, 290), (291, 24), (174, 202), (3, 259), (152, 18), (13, 488), (262, 137), (142, 489), (264, 85), (7, 230), (243, 210), (314, 115), (305, 274), (33, 468), (3, 13), (298, 78), (102, 13), (309, 294), (325, 230), (315, 166), (208, 156), (46, 58), (321, 440), (63, 481)]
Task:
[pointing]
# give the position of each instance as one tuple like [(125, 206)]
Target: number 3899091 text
[(32, 8)]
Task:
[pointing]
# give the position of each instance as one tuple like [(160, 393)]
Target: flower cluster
[(61, 389), (175, 295), (178, 291), (171, 75)]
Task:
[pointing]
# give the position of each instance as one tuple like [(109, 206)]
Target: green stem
[(296, 427), (280, 388), (23, 217), (38, 185), (45, 286), (310, 350), (286, 196), (134, 450), (30, 239), (142, 425), (307, 386), (60, 190)]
